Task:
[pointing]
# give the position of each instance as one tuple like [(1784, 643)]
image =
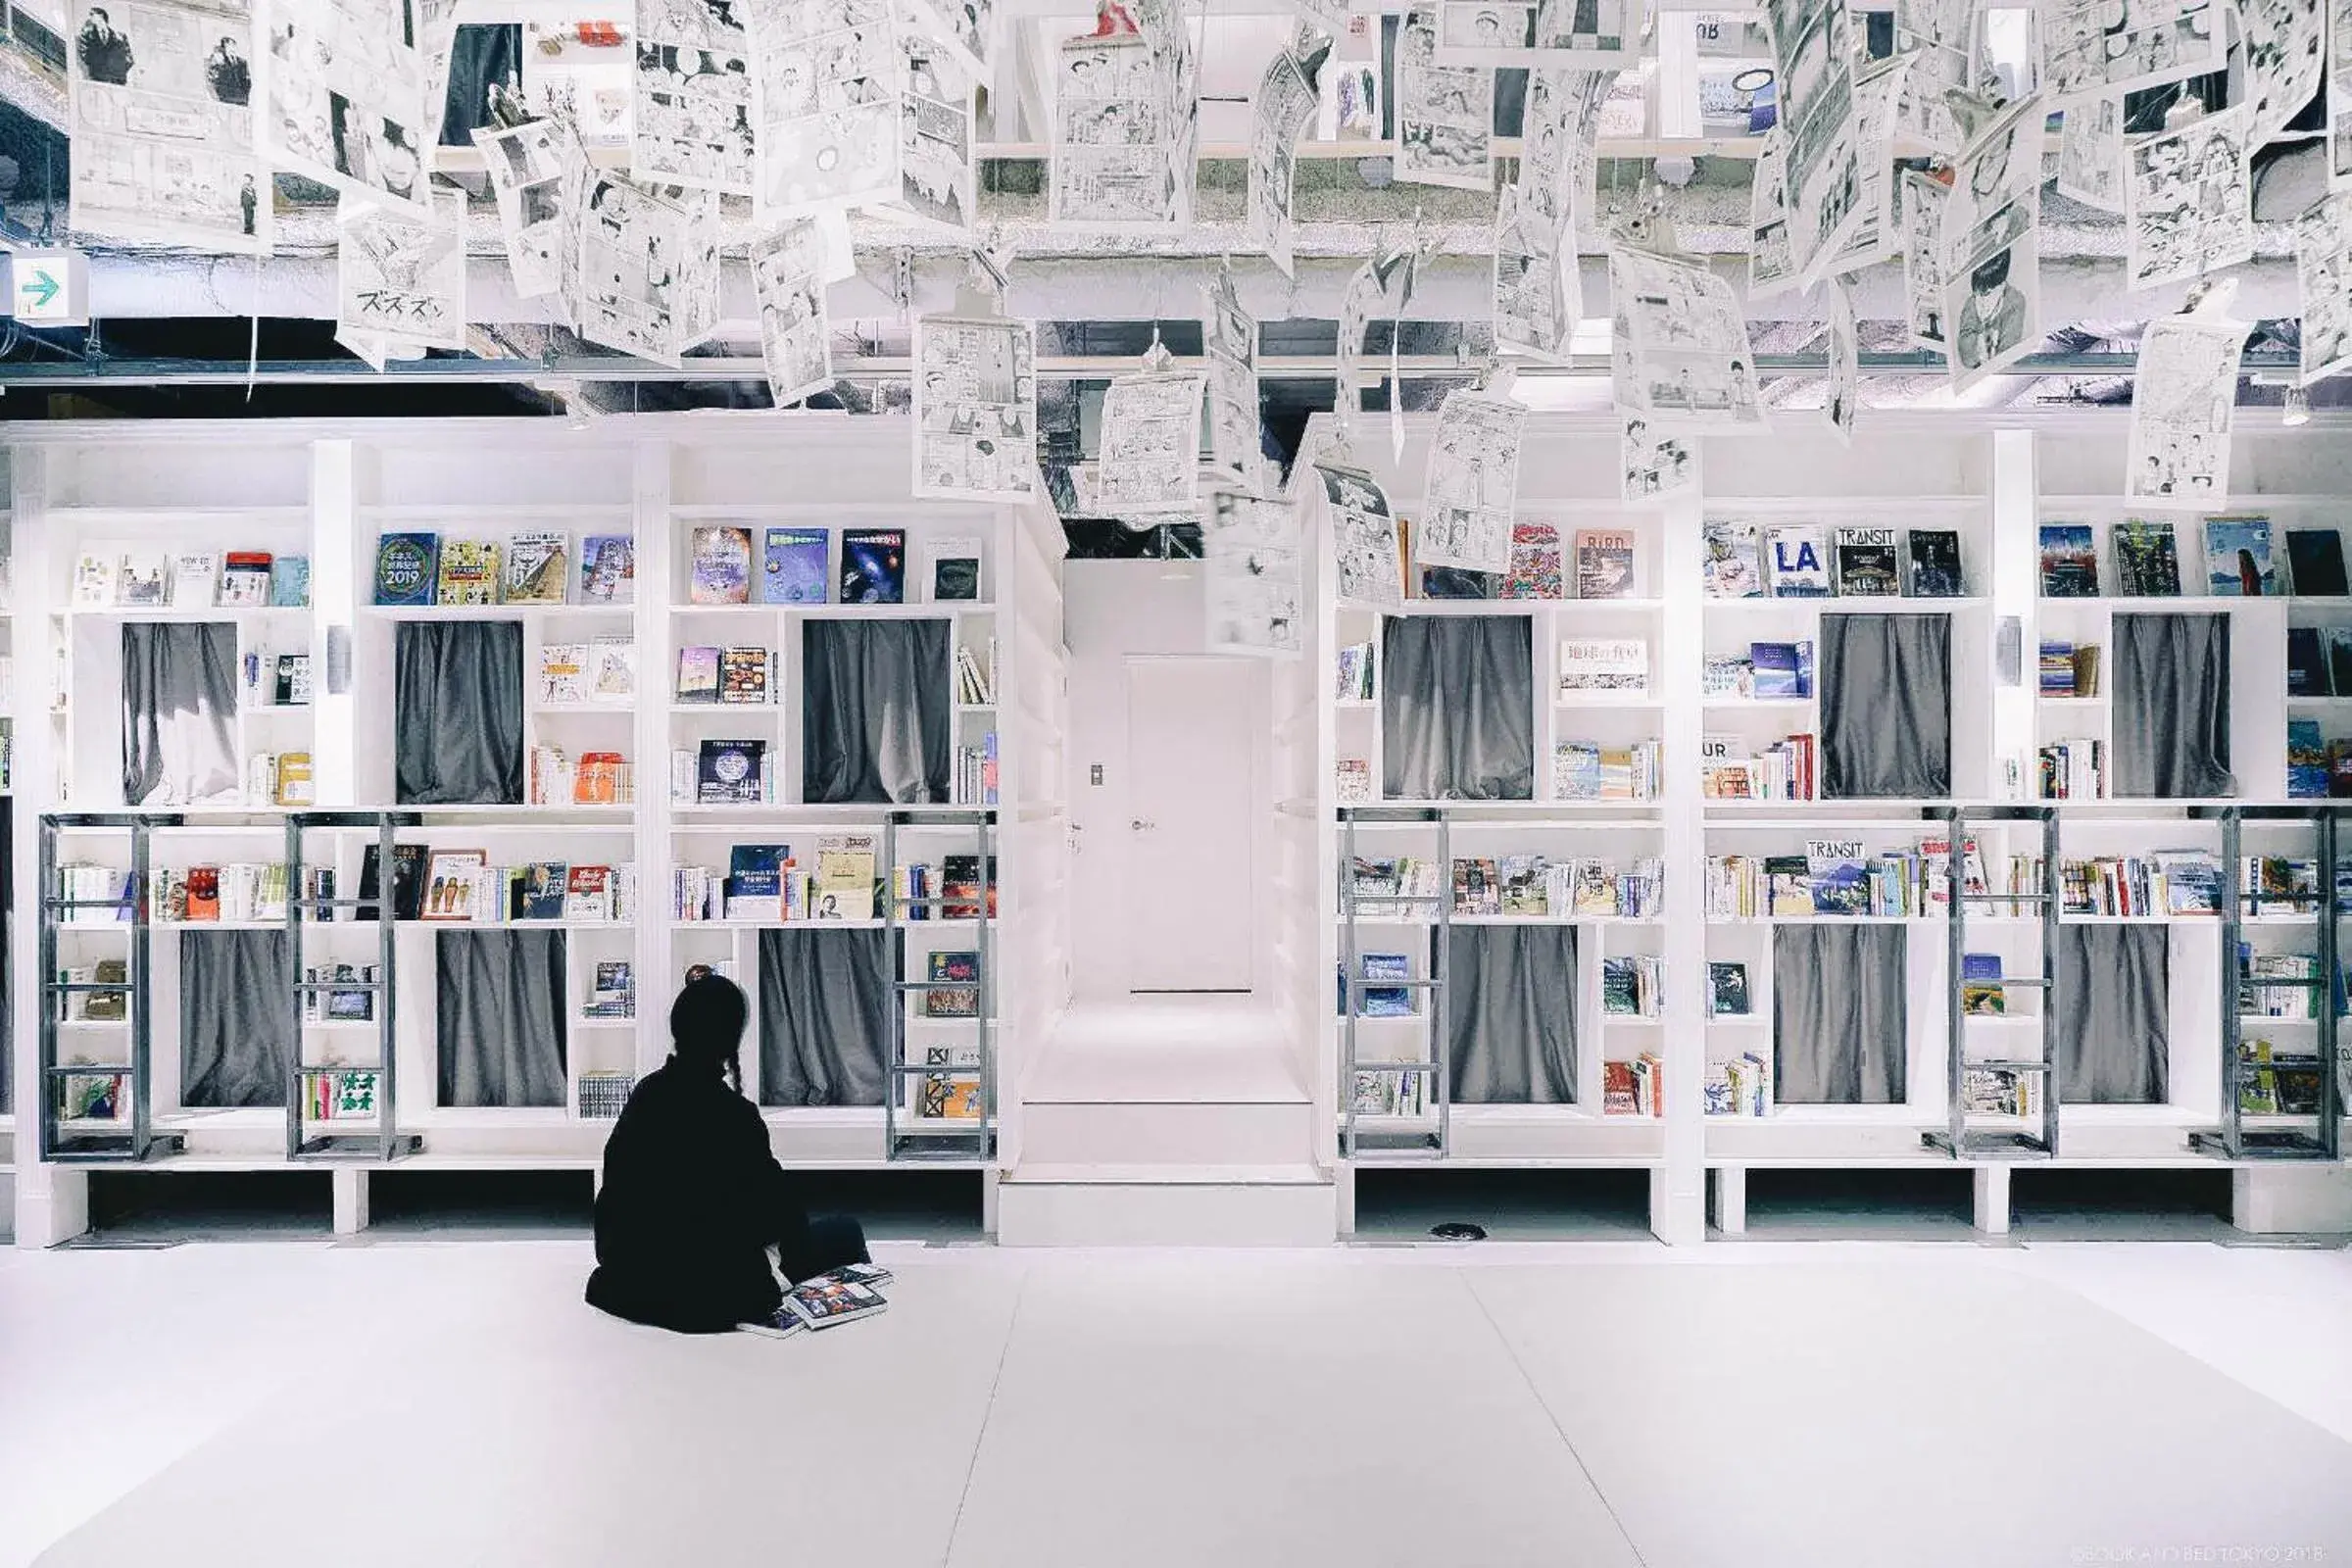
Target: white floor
[(1766, 1403)]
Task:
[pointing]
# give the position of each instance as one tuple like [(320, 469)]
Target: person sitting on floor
[(693, 1199)]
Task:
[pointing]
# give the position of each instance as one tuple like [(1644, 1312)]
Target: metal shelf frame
[(905, 1138), (1433, 1138), (1960, 1136), (380, 1139)]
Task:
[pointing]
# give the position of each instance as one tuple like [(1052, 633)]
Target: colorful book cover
[(873, 566), (1981, 989), (2237, 558), (2148, 561), (793, 570), (697, 675), (1936, 572), (1535, 569), (729, 772), (541, 890), (290, 581), (1780, 669), (1604, 564), (470, 571), (1866, 563), (722, 566), (955, 985), (245, 577), (538, 569), (1801, 567), (1840, 876), (608, 570), (1727, 991), (2070, 564), (407, 568), (743, 675), (1734, 564)]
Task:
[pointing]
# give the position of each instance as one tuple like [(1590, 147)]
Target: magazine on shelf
[(1727, 991), (2237, 558), (1935, 564), (1836, 876), (562, 674), (697, 675), (845, 877), (612, 669), (538, 569), (1604, 564), (954, 573), (2070, 564), (1734, 564), (1535, 572), (143, 578), (954, 991), (1799, 562), (470, 571), (743, 675), (1867, 564), (2147, 563), (608, 570), (290, 582), (1981, 990), (195, 579), (873, 566), (721, 569), (796, 568), (2314, 563)]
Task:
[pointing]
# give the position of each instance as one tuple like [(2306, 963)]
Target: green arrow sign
[(42, 289)]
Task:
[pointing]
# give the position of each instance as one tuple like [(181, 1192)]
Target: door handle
[(1140, 826)]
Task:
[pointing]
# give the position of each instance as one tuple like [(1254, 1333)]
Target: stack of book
[(614, 993), (321, 1002), (1630, 986), (1586, 771), (2069, 669), (2074, 770), (1389, 1093), (1740, 1087), (94, 895), (976, 675), (975, 779), (603, 1094), (1783, 771), (595, 778)]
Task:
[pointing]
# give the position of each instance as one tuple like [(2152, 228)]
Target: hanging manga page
[(2323, 269), (400, 283), (1813, 57), (2339, 92), (788, 279), (1922, 223), (1657, 463), (2182, 401), (975, 409), (1679, 344), (1363, 536), (1277, 116), (528, 166), (647, 278), (1473, 483), (2286, 60), (1382, 286), (965, 29), (2188, 203), (1445, 115), (1843, 399), (1253, 576), (1989, 254), (1771, 267), (160, 111), (1150, 457), (825, 98), (1230, 337), (2099, 48), (691, 105), (1575, 35), (343, 98), (1539, 295), (2091, 154), (938, 181), (1941, 38), (1120, 114), (1874, 237)]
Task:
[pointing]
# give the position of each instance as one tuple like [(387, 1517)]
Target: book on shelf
[(1352, 678), (1784, 770), (845, 877), (408, 882), (456, 884), (609, 570), (1788, 885), (1605, 663), (2276, 985), (1523, 891), (1354, 780), (954, 991), (612, 669), (2279, 885), (955, 569), (1457, 582), (290, 582), (340, 1094), (1382, 1001), (468, 573), (950, 1088), (1934, 555), (1799, 561), (2074, 770), (143, 578), (1782, 671), (2307, 674), (1728, 675), (2237, 558), (2191, 882), (613, 993), (1727, 991), (2148, 561), (2336, 641), (1477, 890), (407, 569), (2000, 1092), (976, 677), (245, 577), (720, 566), (795, 569), (1867, 564), (2314, 563), (195, 579), (1629, 986), (2070, 563), (603, 1095), (93, 581), (562, 674), (2069, 670), (697, 675), (1838, 882), (588, 894), (2306, 761), (1534, 571), (754, 889), (321, 1002), (1981, 990), (604, 778), (743, 675), (99, 1094), (1604, 564), (1391, 1093), (730, 772), (1617, 1089), (825, 1303), (873, 566), (290, 686), (1649, 1085), (975, 772), (2339, 779), (539, 894), (960, 885), (1586, 771), (538, 569), (1734, 561)]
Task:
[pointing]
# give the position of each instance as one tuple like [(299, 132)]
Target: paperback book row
[(603, 669), (340, 1094), (1739, 1087), (2073, 768), (555, 777), (1586, 771), (765, 884), (1771, 671), (530, 569), (1836, 878), (281, 778), (1785, 770), (2069, 669), (602, 1095), (2147, 561), (145, 577), (1525, 885), (274, 680), (463, 885), (1798, 560), (1635, 1088), (1605, 561), (795, 566)]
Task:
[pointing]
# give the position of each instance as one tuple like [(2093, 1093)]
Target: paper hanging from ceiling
[(1922, 224), (437, 46), (2098, 48), (1679, 346), (1989, 258), (965, 29), (161, 118), (1941, 38), (399, 282), (2324, 269), (1655, 464), (1253, 573), (1125, 123), (530, 166), (938, 181), (1841, 399), (788, 280), (1874, 237), (1363, 536), (2091, 154), (2339, 92), (1473, 483), (975, 409), (1277, 116), (1771, 266), (1229, 336), (2285, 59), (1575, 34), (2188, 203), (2183, 397), (691, 111), (1382, 286), (1539, 293), (1445, 114), (824, 95), (343, 98), (647, 276), (1813, 59), (1150, 460)]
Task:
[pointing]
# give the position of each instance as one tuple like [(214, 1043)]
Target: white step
[(1167, 1132), (1166, 1205)]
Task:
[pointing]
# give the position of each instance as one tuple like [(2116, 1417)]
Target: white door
[(1192, 732)]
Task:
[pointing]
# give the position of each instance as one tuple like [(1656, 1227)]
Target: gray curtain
[(2172, 706), (1458, 707), (500, 1017), (179, 713), (1511, 995), (824, 1017), (2115, 994), (458, 712), (236, 1017), (1885, 706), (874, 711), (1839, 1034)]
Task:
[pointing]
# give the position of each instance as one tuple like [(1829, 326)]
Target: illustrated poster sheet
[(938, 181), (2324, 267), (1771, 267), (825, 98), (1473, 483), (1382, 286), (1922, 225), (1230, 338), (161, 114), (1253, 576), (2285, 59), (1538, 294), (343, 98), (1874, 237), (2091, 154), (1941, 37), (788, 280), (2098, 48), (2188, 203), (1656, 463), (1363, 536), (647, 278), (975, 409), (1445, 114), (1989, 259), (529, 167), (1679, 346), (400, 282), (965, 29), (1277, 116), (2182, 403), (1842, 401), (1813, 57), (1151, 456), (691, 109), (2339, 92), (1581, 34), (1121, 123)]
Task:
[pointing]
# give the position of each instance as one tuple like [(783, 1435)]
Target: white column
[(2013, 583), (339, 584), (2291, 1199), (1989, 1185), (649, 526), (1730, 1198), (351, 1200), (1679, 1192)]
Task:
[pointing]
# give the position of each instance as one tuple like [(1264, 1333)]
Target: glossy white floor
[(1824, 1403)]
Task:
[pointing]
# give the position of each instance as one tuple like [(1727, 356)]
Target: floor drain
[(1458, 1230)]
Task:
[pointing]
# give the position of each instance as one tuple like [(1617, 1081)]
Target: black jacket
[(692, 1198)]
